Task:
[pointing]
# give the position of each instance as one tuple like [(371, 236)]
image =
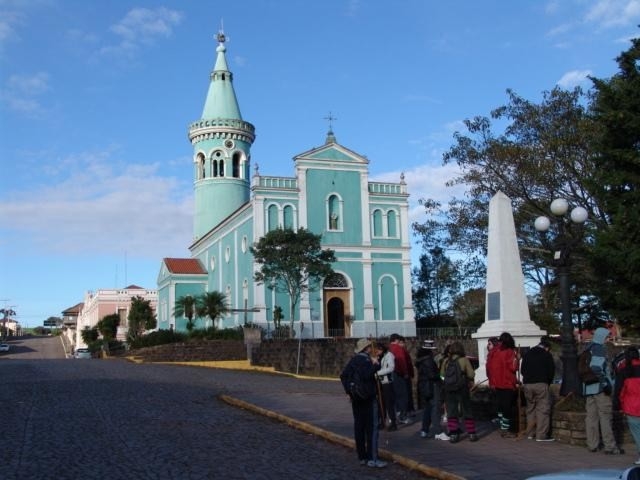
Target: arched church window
[(272, 217), (377, 223), (236, 165), (203, 173), (287, 217), (199, 166), (336, 280), (216, 157), (221, 168), (391, 224), (335, 213)]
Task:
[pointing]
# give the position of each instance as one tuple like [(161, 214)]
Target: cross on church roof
[(330, 118)]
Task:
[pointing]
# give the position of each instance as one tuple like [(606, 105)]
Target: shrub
[(213, 333), (159, 337)]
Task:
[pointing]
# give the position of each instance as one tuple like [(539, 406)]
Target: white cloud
[(9, 22), (574, 78), (103, 205), (425, 181), (142, 26), (21, 93), (613, 13)]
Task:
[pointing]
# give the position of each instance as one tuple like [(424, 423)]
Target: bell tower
[(221, 150)]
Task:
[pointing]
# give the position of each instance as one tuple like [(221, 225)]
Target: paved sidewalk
[(321, 407)]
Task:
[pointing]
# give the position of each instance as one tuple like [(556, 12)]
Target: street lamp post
[(564, 244)]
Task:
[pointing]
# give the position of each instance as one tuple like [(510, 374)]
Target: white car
[(82, 353), (632, 473), (4, 347)]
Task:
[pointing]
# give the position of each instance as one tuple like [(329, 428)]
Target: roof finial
[(220, 36), (331, 138), (330, 118)]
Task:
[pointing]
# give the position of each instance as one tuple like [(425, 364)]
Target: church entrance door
[(336, 312)]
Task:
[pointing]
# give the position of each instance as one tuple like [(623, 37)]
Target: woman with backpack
[(627, 392), (458, 375), (503, 365)]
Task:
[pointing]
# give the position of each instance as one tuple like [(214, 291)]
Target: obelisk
[(506, 307)]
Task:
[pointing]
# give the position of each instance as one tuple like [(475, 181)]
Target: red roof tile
[(189, 266)]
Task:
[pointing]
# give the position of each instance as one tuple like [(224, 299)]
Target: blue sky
[(96, 97)]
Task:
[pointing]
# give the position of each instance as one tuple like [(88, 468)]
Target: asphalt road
[(85, 419)]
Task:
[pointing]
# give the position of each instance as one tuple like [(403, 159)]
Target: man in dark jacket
[(538, 370), (362, 368)]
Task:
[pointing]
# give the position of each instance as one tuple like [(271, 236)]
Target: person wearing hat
[(538, 370), (430, 391), (359, 382)]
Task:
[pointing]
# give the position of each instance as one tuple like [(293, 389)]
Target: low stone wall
[(569, 427), (209, 350)]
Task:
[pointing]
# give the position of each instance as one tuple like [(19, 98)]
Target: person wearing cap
[(364, 365), (430, 391), (598, 398), (538, 370)]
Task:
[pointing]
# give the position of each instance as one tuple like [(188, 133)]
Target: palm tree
[(186, 306), (212, 305)]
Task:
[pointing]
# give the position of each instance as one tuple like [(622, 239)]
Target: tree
[(616, 185), (89, 335), (291, 260), (544, 152), (435, 284), (468, 308), (186, 306), (141, 317), (108, 326), (213, 305)]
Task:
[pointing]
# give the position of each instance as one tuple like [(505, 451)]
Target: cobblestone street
[(83, 419)]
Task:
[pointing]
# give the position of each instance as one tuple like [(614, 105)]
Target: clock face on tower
[(228, 143)]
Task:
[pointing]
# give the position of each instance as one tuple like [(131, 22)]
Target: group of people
[(445, 382), (387, 372)]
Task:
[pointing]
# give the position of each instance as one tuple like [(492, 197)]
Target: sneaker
[(442, 436), (363, 462), (376, 463), (423, 434), (531, 438), (473, 437), (545, 439), (404, 420), (454, 438), (615, 451), (637, 462), (392, 428)]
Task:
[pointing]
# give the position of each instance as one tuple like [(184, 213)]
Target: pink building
[(105, 302)]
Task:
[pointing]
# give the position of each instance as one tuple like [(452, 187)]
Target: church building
[(365, 223)]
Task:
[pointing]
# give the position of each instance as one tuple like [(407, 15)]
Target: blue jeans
[(634, 428)]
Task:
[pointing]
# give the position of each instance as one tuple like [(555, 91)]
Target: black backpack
[(358, 388), (454, 378)]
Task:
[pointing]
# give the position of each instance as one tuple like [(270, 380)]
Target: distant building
[(366, 224), (70, 322), (100, 303)]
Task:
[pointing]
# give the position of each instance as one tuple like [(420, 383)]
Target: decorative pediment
[(332, 152)]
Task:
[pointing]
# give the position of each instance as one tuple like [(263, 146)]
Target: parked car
[(632, 473), (4, 347), (82, 353)]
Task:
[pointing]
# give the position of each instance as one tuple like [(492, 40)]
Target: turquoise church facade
[(366, 224)]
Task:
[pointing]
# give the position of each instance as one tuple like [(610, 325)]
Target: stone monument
[(506, 308)]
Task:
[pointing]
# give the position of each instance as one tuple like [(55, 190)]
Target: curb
[(426, 470)]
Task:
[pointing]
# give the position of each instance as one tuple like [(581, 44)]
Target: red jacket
[(630, 390), (502, 367), (404, 367)]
